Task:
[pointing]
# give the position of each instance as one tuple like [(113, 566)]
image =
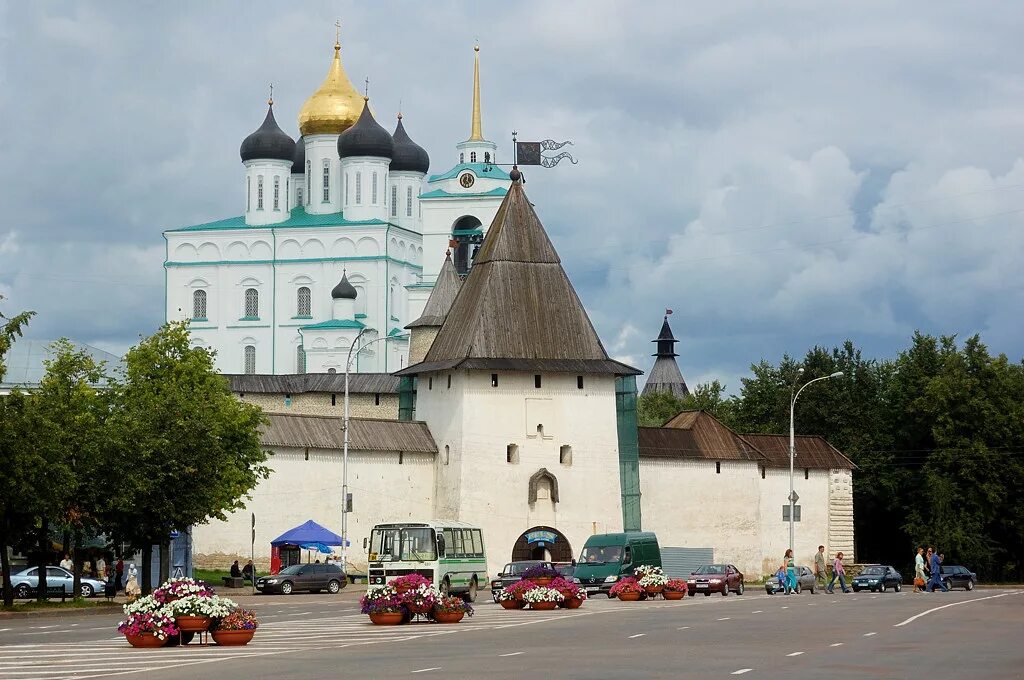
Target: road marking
[(834, 601), (836, 644), (786, 607), (683, 628), (724, 618), (300, 614), (511, 654), (424, 670), (810, 604), (741, 671), (869, 634), (757, 612), (794, 654), (633, 637), (953, 604)]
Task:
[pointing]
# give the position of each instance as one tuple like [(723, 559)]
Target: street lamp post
[(344, 450), (792, 451)]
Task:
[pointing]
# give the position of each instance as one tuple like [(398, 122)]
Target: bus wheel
[(446, 586), (471, 595)]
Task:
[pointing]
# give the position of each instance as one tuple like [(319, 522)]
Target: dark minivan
[(310, 577), (608, 557)]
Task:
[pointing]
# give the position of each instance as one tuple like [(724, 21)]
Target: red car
[(715, 578)]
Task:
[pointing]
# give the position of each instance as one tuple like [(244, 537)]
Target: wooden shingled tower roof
[(442, 297), (517, 309)]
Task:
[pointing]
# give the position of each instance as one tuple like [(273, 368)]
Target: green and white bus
[(451, 554)]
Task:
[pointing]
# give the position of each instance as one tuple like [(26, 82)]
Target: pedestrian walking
[(936, 568), (919, 581), (837, 572), (820, 575), (789, 564), (101, 568), (119, 573), (131, 588)]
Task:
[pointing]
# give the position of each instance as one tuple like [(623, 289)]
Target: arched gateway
[(542, 543)]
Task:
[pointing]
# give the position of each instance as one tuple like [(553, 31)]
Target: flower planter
[(572, 603), (145, 640), (512, 604), (419, 609), (543, 581), (654, 590), (543, 606), (629, 597), (232, 638), (448, 617), (673, 594), (192, 624), (387, 618)]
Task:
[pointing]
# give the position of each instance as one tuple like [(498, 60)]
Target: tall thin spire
[(476, 134)]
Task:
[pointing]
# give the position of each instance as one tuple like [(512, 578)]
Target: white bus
[(451, 554)]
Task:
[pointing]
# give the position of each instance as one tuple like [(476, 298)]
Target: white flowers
[(649, 575), (215, 607), (542, 594)]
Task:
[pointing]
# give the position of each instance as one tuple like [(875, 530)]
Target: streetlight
[(792, 450), (344, 428)]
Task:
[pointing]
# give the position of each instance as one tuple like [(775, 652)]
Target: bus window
[(459, 552), (478, 543), (418, 544), (449, 543)]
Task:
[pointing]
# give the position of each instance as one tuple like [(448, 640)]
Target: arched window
[(344, 180), (394, 200), (462, 158), (259, 192), (394, 304), (303, 302), (250, 359), (487, 156), (277, 192), (408, 201), (472, 156), (252, 303), (327, 181), (309, 180), (359, 188), (373, 189), (300, 360), (248, 194), (199, 304)]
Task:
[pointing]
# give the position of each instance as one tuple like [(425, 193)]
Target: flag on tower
[(531, 153)]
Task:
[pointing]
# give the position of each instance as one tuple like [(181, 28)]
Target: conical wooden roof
[(517, 309), (441, 297)]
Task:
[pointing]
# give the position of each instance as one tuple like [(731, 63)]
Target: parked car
[(955, 576), (715, 578), (311, 577), (512, 572), (26, 581), (608, 557), (565, 569), (804, 581), (877, 577)]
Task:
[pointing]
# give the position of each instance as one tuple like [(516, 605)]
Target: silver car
[(804, 581), (26, 581)]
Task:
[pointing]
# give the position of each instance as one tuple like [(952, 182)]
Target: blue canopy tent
[(308, 536)]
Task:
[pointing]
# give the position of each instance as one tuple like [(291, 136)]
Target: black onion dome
[(365, 138), (344, 290), (269, 141), (408, 155), (299, 158)]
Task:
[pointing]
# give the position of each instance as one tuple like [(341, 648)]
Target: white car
[(26, 581)]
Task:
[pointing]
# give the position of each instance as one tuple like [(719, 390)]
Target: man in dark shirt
[(235, 571)]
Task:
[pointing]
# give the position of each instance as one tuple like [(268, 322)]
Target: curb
[(75, 611)]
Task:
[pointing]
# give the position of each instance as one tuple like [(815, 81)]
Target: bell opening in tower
[(467, 237)]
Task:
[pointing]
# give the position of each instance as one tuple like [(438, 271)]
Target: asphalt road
[(865, 636)]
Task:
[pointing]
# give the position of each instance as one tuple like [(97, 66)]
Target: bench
[(233, 581)]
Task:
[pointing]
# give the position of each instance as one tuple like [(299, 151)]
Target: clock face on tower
[(467, 180)]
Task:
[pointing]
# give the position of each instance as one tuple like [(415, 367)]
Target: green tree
[(194, 448), (655, 409)]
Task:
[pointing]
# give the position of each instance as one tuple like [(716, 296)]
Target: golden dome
[(335, 106)]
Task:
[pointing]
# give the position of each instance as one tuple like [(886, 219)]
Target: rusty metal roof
[(698, 435), (810, 451), (359, 383), (517, 303), (366, 434)]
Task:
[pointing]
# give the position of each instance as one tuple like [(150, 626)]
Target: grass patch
[(211, 576), (51, 605)]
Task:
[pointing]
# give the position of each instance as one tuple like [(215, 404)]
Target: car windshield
[(294, 569), (601, 554), (418, 545), (873, 571), (711, 569)]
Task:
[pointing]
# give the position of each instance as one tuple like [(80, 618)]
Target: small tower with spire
[(665, 374), (477, 149), (424, 329), (267, 155)]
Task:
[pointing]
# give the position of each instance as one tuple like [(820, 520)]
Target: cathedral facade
[(342, 235)]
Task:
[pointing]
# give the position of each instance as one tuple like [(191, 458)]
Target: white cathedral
[(344, 231)]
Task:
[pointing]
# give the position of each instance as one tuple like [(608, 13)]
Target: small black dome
[(408, 155), (299, 158), (344, 290), (269, 141), (365, 138)]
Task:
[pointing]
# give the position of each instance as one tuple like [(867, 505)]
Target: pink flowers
[(676, 585), (568, 589), (241, 619), (181, 587), (141, 623), (626, 585), (518, 590), (409, 582), (453, 605)]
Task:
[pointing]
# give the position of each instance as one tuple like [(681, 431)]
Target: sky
[(780, 175)]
